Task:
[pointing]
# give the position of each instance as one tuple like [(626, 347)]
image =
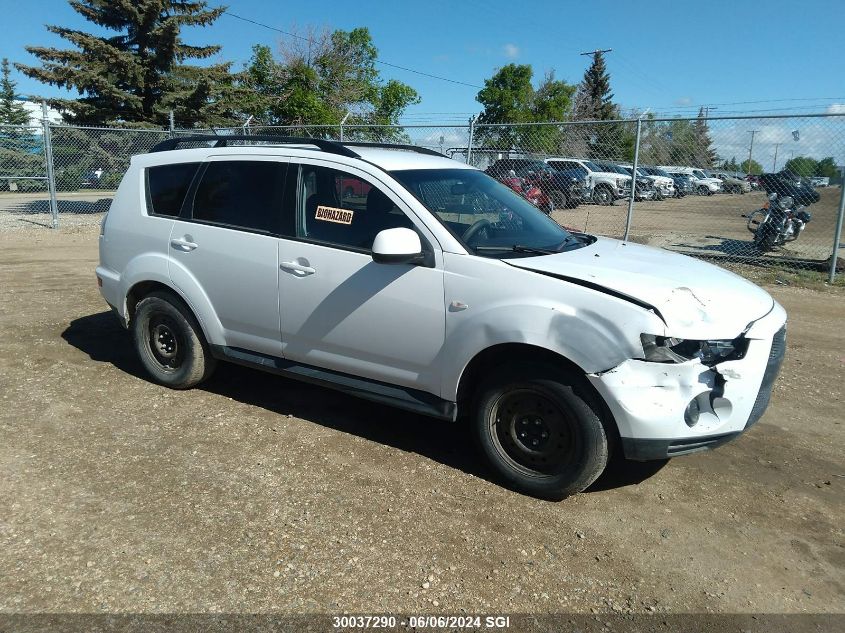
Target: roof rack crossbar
[(331, 147), (411, 148)]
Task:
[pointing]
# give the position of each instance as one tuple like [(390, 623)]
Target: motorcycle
[(777, 222)]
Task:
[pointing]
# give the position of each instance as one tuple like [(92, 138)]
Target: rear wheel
[(540, 430), (169, 341)]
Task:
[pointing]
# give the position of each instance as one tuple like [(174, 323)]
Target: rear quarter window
[(167, 186)]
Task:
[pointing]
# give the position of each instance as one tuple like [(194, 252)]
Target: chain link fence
[(692, 192)]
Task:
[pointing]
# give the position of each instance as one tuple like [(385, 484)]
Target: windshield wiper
[(518, 248)]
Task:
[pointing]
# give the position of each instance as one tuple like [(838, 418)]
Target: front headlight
[(662, 349)]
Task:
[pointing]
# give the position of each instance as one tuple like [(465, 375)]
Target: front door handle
[(183, 245), (296, 267)]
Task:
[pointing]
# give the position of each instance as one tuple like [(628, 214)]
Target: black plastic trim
[(647, 449), (381, 392), (330, 147)]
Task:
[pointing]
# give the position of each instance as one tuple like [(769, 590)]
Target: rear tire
[(169, 341), (540, 430)]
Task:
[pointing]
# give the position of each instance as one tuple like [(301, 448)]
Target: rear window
[(167, 186), (242, 194)]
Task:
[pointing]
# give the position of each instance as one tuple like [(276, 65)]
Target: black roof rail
[(331, 147), (410, 148)]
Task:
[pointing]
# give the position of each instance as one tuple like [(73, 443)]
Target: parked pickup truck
[(603, 186)]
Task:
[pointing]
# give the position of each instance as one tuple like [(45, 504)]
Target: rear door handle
[(298, 268), (183, 244)]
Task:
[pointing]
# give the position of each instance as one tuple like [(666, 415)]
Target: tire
[(169, 341), (553, 407), (603, 195), (559, 200), (703, 190)]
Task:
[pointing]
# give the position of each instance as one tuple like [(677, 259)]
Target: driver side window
[(340, 209)]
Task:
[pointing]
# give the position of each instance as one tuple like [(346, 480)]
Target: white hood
[(697, 300)]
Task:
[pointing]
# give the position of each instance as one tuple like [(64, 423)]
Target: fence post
[(48, 159), (633, 180), (838, 234), (471, 134), (172, 124)]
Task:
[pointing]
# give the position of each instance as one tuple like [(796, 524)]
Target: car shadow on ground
[(101, 337)]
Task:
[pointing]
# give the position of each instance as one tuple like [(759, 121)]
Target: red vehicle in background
[(530, 189)]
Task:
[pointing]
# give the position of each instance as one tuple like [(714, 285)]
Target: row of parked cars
[(572, 181)]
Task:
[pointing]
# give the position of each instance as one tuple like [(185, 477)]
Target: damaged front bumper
[(648, 400)]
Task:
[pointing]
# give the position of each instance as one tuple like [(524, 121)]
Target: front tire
[(703, 191), (169, 341), (540, 430), (558, 200), (603, 195)]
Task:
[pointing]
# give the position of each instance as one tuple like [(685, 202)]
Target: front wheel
[(540, 431), (558, 200), (603, 195), (169, 341), (703, 191)]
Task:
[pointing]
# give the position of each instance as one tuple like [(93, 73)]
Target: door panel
[(228, 248), (379, 321), (238, 271), (339, 309)]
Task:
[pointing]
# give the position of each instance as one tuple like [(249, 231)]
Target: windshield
[(591, 165), (488, 217), (617, 169), (699, 174)]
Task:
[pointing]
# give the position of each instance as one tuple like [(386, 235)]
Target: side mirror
[(397, 246)]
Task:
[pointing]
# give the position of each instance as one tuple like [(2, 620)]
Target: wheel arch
[(140, 289), (512, 353)]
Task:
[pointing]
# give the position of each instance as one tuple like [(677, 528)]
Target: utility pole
[(596, 52), (707, 111), (751, 148), (775, 164)]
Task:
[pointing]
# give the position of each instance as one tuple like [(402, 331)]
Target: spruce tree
[(704, 155), (12, 111), (594, 102), (136, 75)]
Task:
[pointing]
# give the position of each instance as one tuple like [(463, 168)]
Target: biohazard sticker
[(332, 214)]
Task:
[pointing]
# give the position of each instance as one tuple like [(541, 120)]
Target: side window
[(244, 194), (167, 186), (338, 208)]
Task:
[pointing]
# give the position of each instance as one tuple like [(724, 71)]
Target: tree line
[(142, 72)]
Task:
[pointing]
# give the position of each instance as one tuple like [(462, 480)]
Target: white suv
[(398, 275)]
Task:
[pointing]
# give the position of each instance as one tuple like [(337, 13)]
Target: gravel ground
[(257, 494)]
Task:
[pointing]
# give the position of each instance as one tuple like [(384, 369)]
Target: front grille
[(776, 355)]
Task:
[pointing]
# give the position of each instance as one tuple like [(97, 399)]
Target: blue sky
[(667, 56)]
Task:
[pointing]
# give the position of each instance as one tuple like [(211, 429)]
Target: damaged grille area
[(776, 355)]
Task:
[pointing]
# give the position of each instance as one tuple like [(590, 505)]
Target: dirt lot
[(710, 225), (255, 494)]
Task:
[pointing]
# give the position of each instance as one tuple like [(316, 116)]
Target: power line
[(377, 61)]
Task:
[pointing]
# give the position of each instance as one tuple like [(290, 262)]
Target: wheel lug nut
[(544, 435), (534, 442)]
